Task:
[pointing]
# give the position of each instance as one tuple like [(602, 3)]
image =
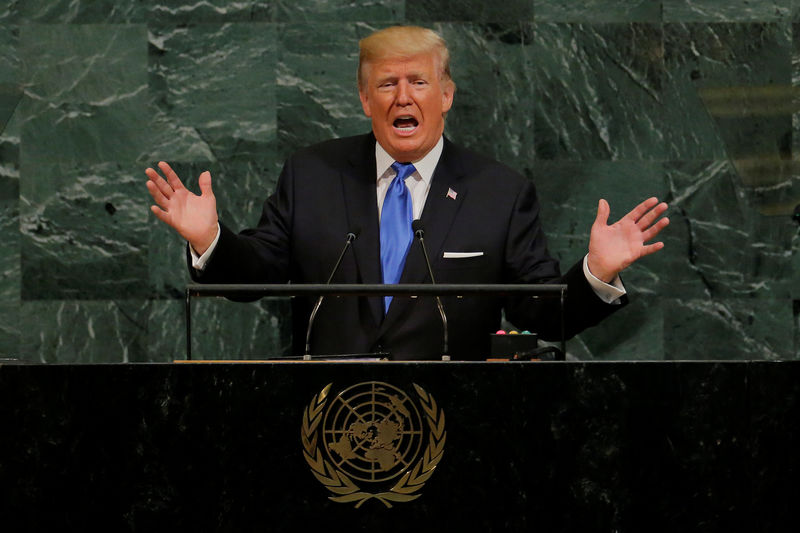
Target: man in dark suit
[(481, 222)]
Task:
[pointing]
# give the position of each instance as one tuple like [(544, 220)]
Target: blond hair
[(400, 42)]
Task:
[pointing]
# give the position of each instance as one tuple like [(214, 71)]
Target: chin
[(410, 153)]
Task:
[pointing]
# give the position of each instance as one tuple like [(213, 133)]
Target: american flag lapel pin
[(451, 193)]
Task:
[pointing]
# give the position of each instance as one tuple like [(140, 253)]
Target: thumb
[(205, 183), (603, 210)]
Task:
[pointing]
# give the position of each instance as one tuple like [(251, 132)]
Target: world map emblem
[(373, 441)]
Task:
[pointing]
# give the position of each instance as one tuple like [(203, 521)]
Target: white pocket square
[(461, 255)]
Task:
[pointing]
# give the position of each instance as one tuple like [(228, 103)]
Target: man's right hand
[(193, 216)]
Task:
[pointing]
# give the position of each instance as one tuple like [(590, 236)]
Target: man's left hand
[(614, 248)]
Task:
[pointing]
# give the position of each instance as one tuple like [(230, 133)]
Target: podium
[(562, 446)]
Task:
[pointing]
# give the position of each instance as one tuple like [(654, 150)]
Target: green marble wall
[(692, 100)]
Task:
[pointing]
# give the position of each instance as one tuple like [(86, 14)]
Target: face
[(406, 101)]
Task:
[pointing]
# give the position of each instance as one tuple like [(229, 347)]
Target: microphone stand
[(420, 234), (350, 238)]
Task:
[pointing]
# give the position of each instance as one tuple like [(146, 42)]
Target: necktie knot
[(403, 170)]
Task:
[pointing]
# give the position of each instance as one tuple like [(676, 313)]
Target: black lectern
[(309, 446)]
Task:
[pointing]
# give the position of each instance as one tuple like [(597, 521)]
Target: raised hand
[(193, 216), (614, 248)]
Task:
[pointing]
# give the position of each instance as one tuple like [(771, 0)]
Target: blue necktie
[(396, 234)]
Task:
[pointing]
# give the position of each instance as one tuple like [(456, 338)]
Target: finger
[(158, 197), (160, 214), (159, 182), (654, 230), (637, 212), (651, 248), (172, 178), (651, 216), (205, 183), (603, 210)]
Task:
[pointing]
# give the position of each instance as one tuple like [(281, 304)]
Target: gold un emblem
[(371, 441)]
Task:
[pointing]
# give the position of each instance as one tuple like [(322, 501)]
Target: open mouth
[(405, 124)]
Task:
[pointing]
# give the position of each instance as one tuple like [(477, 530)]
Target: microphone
[(419, 233), (351, 236)]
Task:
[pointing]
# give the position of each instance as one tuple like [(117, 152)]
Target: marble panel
[(728, 94), (9, 41), (9, 161), (569, 192), (9, 249), (213, 88), (599, 91), (85, 92), (339, 10), (728, 329), (722, 245), (10, 87), (594, 11), (9, 329), (191, 11), (240, 189), (726, 10), (10, 97), (795, 84), (83, 12), (100, 331), (469, 11), (221, 329), (83, 63), (491, 65), (316, 83), (84, 133), (795, 199), (166, 332), (9, 243), (83, 231), (635, 333)]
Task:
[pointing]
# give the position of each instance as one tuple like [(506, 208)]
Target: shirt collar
[(424, 166)]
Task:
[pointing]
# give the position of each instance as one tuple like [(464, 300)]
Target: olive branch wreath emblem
[(340, 484)]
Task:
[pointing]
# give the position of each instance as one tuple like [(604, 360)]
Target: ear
[(448, 92), (362, 95)]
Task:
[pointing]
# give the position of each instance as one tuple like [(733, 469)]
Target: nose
[(403, 93)]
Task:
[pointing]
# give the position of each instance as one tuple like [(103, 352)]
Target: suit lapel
[(358, 183), (437, 219)]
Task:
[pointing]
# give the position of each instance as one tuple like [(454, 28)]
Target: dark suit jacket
[(328, 190)]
